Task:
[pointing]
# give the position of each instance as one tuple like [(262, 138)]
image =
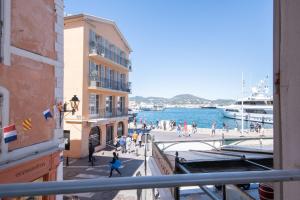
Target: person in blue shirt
[(115, 164)]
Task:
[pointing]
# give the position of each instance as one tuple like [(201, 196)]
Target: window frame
[(5, 17), (5, 120)]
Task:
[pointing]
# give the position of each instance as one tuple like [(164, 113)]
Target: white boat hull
[(262, 118)]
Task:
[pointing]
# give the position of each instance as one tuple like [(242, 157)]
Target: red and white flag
[(9, 133)]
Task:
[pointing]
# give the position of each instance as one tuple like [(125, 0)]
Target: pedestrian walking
[(224, 126), (91, 152), (134, 122), (115, 164), (179, 130), (134, 137), (165, 125), (251, 127), (123, 144), (140, 139), (185, 128), (213, 128), (128, 144), (117, 143), (194, 127)]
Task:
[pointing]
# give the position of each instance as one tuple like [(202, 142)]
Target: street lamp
[(74, 105)]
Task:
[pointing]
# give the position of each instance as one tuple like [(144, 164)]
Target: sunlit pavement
[(205, 133), (132, 164)]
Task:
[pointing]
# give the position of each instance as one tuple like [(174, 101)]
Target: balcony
[(109, 84), (103, 113), (106, 54)]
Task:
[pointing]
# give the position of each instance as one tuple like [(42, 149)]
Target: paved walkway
[(132, 165), (205, 133)]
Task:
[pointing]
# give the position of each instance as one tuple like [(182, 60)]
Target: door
[(109, 134)]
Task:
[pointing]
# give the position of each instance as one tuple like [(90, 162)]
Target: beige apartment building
[(96, 69), (31, 82)]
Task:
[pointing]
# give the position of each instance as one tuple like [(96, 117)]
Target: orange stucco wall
[(77, 58), (109, 32), (31, 84), (32, 26), (44, 166), (31, 87)]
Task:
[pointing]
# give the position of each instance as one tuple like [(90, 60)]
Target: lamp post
[(74, 105)]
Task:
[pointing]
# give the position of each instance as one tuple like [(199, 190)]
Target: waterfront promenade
[(133, 163), (203, 133)]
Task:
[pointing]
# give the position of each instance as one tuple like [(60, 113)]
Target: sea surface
[(203, 117)]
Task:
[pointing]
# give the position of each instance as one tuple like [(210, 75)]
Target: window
[(112, 78), (123, 79), (121, 104), (257, 111), (107, 77), (4, 111), (101, 46), (92, 42), (109, 104), (94, 104), (94, 69)]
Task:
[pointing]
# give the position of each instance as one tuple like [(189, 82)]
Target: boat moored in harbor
[(256, 108)]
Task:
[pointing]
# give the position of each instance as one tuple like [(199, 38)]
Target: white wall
[(287, 93)]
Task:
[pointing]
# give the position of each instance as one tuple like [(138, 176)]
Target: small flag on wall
[(47, 114), (59, 106), (9, 133), (27, 124)]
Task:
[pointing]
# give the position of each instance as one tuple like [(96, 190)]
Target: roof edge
[(103, 20)]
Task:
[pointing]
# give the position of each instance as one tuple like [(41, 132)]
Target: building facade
[(31, 81), (97, 66)]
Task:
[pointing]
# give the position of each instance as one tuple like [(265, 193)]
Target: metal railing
[(127, 183), (104, 113), (109, 84), (107, 53)]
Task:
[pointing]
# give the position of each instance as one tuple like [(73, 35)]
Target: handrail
[(125, 183)]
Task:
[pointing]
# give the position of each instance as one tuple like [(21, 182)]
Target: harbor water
[(202, 116)]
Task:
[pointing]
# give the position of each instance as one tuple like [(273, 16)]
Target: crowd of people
[(183, 129), (129, 143)]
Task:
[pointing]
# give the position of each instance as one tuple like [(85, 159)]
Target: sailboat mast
[(242, 117)]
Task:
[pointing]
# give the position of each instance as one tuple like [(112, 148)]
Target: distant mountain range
[(182, 99)]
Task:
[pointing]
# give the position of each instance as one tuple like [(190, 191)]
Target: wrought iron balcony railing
[(109, 84), (107, 53), (108, 113)]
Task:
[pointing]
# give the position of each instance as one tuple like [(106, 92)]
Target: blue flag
[(47, 114)]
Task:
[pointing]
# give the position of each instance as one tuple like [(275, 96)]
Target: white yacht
[(257, 108)]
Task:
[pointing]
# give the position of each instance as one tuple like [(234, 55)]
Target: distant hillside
[(182, 99), (154, 100), (187, 99)]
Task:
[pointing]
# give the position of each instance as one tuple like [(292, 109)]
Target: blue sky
[(199, 47)]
